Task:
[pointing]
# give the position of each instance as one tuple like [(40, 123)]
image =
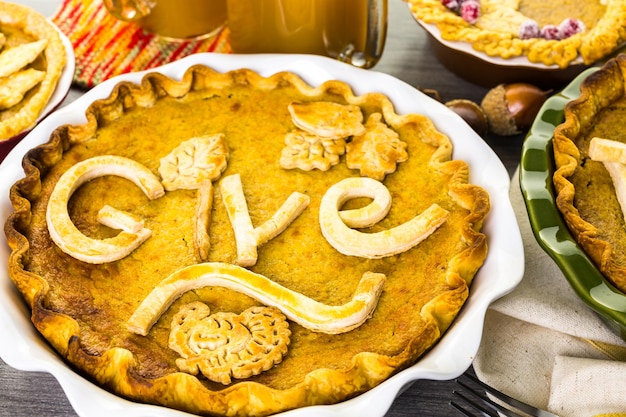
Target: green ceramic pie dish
[(549, 228)]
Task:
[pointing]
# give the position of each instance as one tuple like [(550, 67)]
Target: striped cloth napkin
[(105, 47)]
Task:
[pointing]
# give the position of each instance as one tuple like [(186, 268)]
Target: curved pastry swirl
[(299, 308)]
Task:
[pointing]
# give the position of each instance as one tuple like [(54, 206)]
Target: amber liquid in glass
[(323, 27), (176, 19), (182, 19)]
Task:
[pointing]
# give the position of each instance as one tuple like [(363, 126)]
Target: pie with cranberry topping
[(546, 32)]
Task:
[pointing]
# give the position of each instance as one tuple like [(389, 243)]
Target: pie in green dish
[(549, 226)]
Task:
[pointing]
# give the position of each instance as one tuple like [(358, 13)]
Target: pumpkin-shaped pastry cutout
[(225, 345)]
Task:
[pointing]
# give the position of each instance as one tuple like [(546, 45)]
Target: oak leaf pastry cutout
[(327, 119), (226, 345), (71, 240), (307, 151), (378, 151), (191, 162)]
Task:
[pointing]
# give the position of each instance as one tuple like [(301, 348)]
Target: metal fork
[(480, 403)]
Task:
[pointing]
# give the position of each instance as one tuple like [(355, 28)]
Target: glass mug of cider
[(352, 31), (175, 19)]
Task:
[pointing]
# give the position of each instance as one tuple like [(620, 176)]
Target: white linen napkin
[(545, 346)]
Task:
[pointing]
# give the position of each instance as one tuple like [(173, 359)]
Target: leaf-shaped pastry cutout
[(193, 161), (377, 152), (306, 151), (328, 119), (225, 345)]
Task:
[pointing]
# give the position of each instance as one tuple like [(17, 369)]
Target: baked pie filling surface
[(231, 244)]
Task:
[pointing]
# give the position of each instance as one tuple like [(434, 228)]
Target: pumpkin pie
[(233, 244), (589, 178)]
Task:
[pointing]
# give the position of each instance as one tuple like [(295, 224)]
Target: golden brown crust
[(595, 222), (23, 25), (455, 254), (495, 33)]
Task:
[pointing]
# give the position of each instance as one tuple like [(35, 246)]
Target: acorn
[(512, 108), (471, 113)]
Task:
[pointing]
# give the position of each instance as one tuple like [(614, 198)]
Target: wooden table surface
[(408, 57)]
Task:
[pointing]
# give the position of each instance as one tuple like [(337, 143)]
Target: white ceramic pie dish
[(21, 346)]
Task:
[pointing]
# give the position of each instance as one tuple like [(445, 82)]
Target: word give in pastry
[(337, 225)]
